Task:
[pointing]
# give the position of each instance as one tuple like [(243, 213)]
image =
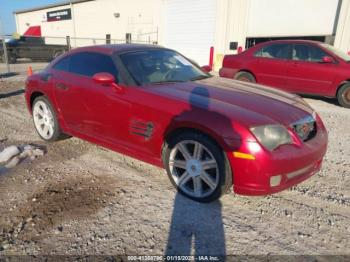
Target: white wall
[(291, 17), (190, 28), (95, 19), (342, 38), (137, 17), (35, 18), (231, 26)]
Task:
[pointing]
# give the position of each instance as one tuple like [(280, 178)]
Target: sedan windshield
[(337, 52), (156, 66)]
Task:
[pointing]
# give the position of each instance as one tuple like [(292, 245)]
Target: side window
[(89, 63), (280, 51), (308, 53), (62, 65)]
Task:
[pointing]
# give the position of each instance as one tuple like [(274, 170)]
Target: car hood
[(251, 104)]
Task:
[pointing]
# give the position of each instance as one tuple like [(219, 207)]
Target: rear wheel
[(45, 120), (197, 167), (343, 96), (245, 77)]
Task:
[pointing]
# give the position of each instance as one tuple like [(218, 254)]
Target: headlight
[(272, 136)]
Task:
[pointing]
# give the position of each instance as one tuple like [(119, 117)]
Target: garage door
[(274, 18), (189, 28)]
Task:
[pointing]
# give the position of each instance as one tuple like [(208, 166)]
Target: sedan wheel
[(245, 77), (197, 168), (344, 96)]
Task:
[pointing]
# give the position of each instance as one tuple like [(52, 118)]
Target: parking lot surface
[(82, 199)]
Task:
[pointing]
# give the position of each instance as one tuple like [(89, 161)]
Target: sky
[(8, 6)]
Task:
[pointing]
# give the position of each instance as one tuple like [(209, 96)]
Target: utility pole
[(4, 47)]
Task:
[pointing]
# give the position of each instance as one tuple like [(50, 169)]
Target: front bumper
[(292, 163)]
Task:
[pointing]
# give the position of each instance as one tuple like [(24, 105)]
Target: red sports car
[(297, 66), (155, 105)]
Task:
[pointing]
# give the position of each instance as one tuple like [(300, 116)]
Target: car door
[(306, 72), (271, 64), (90, 108)]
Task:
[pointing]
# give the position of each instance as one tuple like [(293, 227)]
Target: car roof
[(112, 48), (290, 41)]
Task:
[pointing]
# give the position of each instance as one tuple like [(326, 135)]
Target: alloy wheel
[(194, 168), (43, 120)]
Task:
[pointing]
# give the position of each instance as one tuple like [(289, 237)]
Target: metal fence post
[(108, 39), (68, 42), (4, 49), (128, 38)]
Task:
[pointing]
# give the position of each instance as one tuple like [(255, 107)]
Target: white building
[(191, 26)]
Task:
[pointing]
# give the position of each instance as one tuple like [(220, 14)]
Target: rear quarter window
[(278, 51)]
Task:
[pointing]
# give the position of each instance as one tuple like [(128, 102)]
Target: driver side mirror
[(106, 79), (206, 68), (327, 59)]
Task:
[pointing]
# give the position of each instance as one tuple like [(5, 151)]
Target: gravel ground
[(81, 199)]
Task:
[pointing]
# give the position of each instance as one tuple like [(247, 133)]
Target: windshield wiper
[(200, 77)]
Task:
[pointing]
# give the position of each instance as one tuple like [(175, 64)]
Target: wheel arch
[(211, 134), (33, 96), (247, 71), (183, 129)]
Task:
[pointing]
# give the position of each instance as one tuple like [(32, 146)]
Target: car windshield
[(337, 52), (156, 66)]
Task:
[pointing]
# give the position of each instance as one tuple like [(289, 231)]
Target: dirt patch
[(4, 85), (57, 203)]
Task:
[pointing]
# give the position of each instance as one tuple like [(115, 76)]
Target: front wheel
[(45, 120), (197, 167), (343, 96)]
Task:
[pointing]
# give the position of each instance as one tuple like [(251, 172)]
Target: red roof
[(33, 31)]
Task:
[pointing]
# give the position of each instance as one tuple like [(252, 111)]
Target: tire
[(187, 175), (245, 77), (343, 95), (45, 118)]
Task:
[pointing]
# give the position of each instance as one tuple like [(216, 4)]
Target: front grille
[(306, 128)]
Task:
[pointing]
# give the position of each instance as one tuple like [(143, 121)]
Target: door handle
[(62, 86)]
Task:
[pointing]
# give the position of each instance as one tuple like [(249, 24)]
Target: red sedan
[(155, 105), (297, 66)]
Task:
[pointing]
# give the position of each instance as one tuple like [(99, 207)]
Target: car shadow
[(197, 228), (6, 75), (328, 100), (14, 93)]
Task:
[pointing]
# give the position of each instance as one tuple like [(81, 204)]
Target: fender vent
[(144, 129)]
